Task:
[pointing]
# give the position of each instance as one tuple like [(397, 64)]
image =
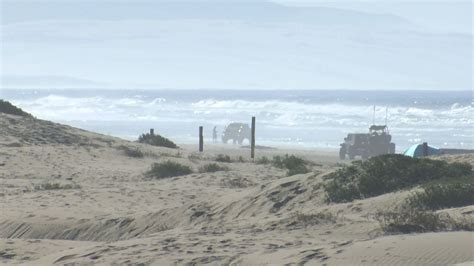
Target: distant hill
[(17, 81), (225, 45), (256, 11)]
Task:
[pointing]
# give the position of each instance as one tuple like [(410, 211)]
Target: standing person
[(214, 134)]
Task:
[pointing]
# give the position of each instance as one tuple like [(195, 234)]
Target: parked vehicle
[(376, 142), (237, 132)]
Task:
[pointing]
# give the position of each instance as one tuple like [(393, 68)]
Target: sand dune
[(106, 211), (423, 249)]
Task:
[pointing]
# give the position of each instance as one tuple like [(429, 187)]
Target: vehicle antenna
[(386, 114), (373, 119)]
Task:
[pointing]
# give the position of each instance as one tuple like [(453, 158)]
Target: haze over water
[(300, 119)]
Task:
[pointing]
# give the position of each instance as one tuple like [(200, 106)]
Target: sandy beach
[(73, 197)]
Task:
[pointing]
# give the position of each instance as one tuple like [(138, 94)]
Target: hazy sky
[(284, 44)]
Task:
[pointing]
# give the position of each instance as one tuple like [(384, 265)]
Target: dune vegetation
[(8, 108), (156, 140), (388, 173), (168, 169)]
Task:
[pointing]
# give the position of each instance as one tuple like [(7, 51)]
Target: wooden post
[(152, 131), (201, 139), (425, 149), (252, 141)]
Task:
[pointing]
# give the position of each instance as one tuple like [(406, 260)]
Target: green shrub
[(339, 191), (212, 167), (293, 164), (387, 173), (131, 151), (460, 169), (223, 158), (168, 169), (302, 169), (444, 194), (8, 108), (156, 140)]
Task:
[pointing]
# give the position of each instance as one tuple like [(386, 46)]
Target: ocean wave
[(295, 121), (278, 112)]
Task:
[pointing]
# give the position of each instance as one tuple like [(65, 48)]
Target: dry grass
[(309, 219), (223, 158), (213, 167), (133, 152), (55, 186)]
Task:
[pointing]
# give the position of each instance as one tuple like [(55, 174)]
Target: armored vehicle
[(376, 142), (237, 132)]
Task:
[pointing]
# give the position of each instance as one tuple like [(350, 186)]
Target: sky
[(284, 44)]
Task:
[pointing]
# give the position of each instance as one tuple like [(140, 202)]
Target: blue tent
[(416, 151)]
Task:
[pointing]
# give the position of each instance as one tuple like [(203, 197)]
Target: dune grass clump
[(213, 167), (295, 165), (194, 157), (55, 186), (133, 152), (263, 160), (313, 218), (237, 182), (444, 194), (388, 173), (464, 223), (8, 108), (409, 220), (156, 140), (168, 169), (223, 158)]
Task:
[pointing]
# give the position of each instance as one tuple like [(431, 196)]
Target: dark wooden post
[(425, 149), (252, 141), (152, 131), (201, 139)]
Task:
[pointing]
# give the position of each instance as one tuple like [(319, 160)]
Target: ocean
[(303, 119)]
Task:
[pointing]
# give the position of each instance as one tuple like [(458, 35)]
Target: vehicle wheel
[(234, 141), (351, 153), (392, 148), (241, 141), (342, 152)]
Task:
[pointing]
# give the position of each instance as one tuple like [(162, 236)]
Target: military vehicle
[(237, 132), (374, 143)]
